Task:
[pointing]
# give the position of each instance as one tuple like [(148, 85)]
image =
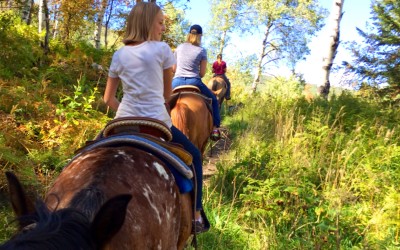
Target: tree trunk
[(55, 25), (259, 67), (43, 17), (222, 42), (27, 11), (111, 5), (40, 16), (46, 46), (55, 29), (327, 61), (99, 22)]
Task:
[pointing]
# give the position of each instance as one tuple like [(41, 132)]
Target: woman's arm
[(110, 93), (203, 68)]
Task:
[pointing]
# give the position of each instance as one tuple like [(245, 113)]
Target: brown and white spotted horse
[(66, 228), (158, 216)]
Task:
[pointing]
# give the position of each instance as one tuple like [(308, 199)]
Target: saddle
[(186, 88), (151, 129), (220, 76), (191, 90), (152, 136)]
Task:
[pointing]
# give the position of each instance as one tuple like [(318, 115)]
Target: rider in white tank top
[(140, 69)]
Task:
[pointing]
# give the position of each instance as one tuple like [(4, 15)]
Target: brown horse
[(157, 217), (191, 115), (218, 86)]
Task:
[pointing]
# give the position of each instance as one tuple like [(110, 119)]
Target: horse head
[(67, 228)]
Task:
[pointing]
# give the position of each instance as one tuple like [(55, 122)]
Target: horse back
[(154, 215), (218, 86), (192, 116)]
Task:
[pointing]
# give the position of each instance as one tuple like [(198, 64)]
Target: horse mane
[(88, 201), (62, 229), (181, 119)]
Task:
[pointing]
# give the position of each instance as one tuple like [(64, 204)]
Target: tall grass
[(319, 175)]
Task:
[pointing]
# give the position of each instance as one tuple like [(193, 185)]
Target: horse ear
[(109, 219), (21, 204)]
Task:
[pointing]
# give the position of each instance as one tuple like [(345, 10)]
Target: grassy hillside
[(307, 175), (302, 173)]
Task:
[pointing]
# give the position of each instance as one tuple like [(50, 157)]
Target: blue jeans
[(179, 137), (179, 81)]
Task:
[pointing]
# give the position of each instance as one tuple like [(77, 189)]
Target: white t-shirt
[(140, 69)]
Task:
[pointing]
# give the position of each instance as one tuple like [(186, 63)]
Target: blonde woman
[(144, 67), (191, 67)]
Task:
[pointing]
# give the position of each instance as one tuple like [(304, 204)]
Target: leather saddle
[(151, 129)]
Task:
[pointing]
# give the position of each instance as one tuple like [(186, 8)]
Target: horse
[(191, 114), (218, 86), (158, 215), (66, 228)]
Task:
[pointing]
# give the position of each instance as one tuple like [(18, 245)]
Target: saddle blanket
[(181, 172)]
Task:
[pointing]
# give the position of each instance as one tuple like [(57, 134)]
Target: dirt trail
[(215, 149)]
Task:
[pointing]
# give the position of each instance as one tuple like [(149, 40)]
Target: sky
[(356, 14)]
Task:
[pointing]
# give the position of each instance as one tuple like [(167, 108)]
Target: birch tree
[(56, 15), (225, 19), (40, 16), (101, 9), (327, 61), (71, 17), (46, 46), (107, 18), (27, 11), (287, 26)]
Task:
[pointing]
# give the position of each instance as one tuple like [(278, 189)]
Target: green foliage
[(20, 51), (300, 174), (377, 60), (7, 222), (287, 27), (227, 16), (176, 25), (78, 106), (312, 175)]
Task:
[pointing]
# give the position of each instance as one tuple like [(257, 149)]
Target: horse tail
[(180, 119)]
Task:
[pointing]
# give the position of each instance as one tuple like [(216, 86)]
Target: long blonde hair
[(194, 38), (140, 22)]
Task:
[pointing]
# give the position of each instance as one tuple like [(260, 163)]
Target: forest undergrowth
[(300, 172)]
